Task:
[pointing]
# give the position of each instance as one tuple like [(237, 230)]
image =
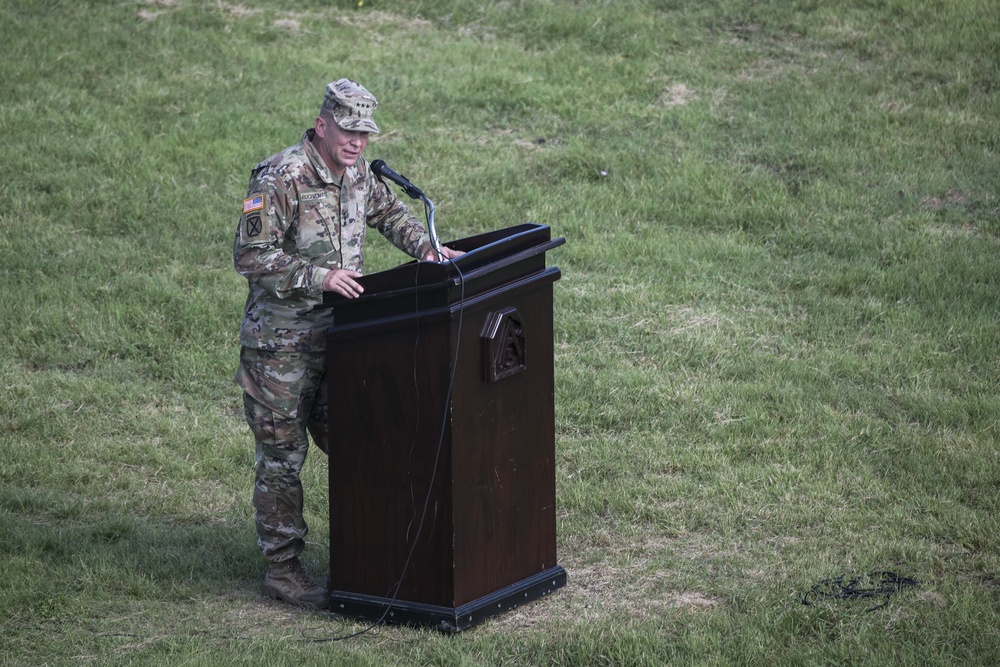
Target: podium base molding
[(448, 619)]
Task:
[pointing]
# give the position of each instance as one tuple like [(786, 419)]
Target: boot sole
[(275, 594)]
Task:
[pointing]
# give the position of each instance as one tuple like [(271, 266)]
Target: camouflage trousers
[(284, 397)]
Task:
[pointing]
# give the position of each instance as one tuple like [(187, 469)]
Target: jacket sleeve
[(393, 220), (262, 253)]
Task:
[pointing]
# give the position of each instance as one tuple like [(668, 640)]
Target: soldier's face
[(338, 147)]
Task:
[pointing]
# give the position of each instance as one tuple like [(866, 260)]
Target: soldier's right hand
[(342, 281)]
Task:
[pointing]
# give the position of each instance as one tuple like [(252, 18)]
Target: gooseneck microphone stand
[(383, 170), (429, 212)]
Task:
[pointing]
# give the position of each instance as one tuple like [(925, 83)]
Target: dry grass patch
[(291, 25), (597, 591), (379, 19), (235, 10), (950, 198), (677, 95)]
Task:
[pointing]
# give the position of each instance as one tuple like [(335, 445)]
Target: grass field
[(777, 341)]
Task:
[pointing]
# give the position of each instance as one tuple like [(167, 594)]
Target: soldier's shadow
[(88, 554)]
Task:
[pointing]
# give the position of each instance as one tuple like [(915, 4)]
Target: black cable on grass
[(864, 587)]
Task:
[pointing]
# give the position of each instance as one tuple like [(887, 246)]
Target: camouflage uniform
[(298, 223)]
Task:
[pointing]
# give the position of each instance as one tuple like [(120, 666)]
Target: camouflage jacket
[(299, 222)]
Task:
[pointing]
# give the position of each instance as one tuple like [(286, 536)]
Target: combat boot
[(287, 581)]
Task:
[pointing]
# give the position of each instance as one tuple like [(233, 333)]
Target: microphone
[(382, 169)]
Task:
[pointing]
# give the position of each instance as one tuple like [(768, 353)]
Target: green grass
[(776, 334)]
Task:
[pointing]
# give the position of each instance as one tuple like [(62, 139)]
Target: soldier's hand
[(447, 253), (342, 281)]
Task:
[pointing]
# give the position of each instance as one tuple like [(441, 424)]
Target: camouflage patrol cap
[(351, 105)]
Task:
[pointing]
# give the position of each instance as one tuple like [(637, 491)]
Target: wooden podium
[(442, 436)]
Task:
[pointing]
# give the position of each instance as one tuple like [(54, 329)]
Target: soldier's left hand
[(447, 253)]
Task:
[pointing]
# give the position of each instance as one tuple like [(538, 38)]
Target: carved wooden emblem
[(503, 344)]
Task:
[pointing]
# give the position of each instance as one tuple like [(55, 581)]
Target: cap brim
[(358, 125)]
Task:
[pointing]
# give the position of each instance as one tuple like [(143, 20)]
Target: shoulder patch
[(254, 203), (255, 224)]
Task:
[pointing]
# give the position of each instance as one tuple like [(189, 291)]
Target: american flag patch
[(254, 203)]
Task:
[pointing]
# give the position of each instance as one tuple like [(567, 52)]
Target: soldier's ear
[(320, 126)]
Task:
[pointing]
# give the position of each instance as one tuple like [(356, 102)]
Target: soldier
[(301, 233)]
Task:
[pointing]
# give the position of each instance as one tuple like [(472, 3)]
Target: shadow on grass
[(74, 557)]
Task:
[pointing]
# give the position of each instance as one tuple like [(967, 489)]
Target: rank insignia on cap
[(254, 203)]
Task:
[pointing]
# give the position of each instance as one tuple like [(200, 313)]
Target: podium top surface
[(501, 260), (484, 253)]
